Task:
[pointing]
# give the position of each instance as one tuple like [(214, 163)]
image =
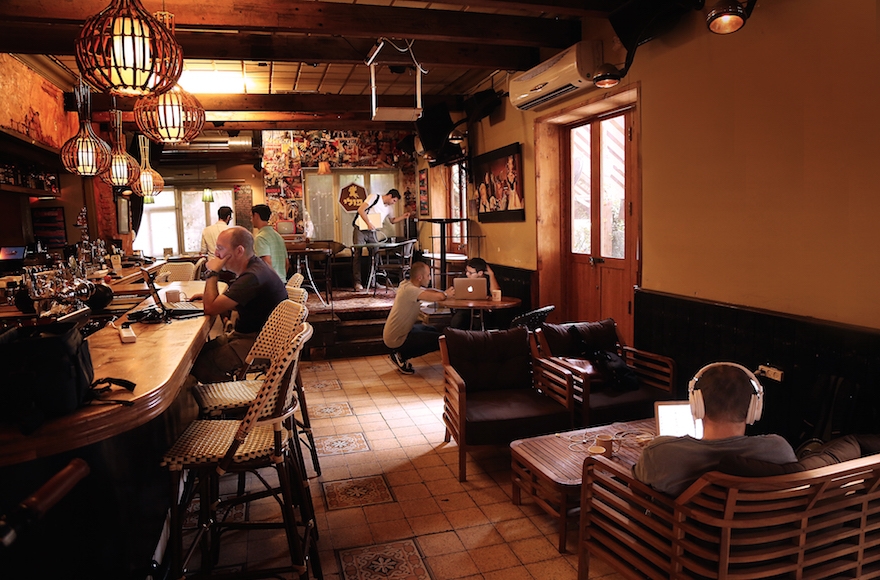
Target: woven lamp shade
[(124, 169), (150, 182), (174, 116), (85, 153), (126, 51)]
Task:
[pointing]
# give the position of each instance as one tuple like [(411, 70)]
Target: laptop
[(172, 309), (471, 288), (674, 418)]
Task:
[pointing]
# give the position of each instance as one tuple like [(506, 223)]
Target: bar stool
[(231, 398), (300, 295), (295, 281), (210, 448)]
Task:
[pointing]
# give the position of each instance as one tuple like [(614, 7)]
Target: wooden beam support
[(58, 40), (325, 19)]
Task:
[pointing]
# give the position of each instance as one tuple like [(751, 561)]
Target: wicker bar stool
[(300, 295), (295, 281), (232, 398), (210, 448)]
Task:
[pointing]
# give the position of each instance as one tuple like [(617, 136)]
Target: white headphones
[(756, 402)]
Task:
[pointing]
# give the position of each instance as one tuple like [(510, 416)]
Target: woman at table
[(475, 268)]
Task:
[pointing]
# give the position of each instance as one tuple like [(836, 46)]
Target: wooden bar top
[(158, 363)]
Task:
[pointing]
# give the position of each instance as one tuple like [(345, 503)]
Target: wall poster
[(497, 186), (423, 192)]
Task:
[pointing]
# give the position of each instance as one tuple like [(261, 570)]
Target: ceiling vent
[(569, 71), (188, 173)]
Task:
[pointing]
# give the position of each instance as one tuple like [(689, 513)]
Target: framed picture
[(423, 192), (123, 215), (498, 185)]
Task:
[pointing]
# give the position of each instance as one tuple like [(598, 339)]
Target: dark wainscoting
[(515, 282), (830, 383)]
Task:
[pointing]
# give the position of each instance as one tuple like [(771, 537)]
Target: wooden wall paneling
[(548, 184)]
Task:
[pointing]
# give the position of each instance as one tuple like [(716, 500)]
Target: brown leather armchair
[(497, 392), (571, 345)]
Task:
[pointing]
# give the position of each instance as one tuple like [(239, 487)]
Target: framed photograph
[(423, 192), (498, 185), (123, 215)]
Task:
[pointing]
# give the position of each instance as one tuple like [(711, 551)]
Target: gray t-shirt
[(404, 314), (671, 464)]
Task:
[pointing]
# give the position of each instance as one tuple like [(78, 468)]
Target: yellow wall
[(758, 154)]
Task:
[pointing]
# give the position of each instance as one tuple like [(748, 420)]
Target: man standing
[(727, 397), (254, 294), (268, 244), (403, 334), (370, 216), (210, 233)]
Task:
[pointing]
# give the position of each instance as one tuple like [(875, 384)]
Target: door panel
[(603, 231)]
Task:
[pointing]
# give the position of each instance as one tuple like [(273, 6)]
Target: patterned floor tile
[(317, 366), (322, 386), (330, 410), (339, 444), (357, 492), (397, 560), (191, 520)]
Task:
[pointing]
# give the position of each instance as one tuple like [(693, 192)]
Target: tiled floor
[(389, 504)]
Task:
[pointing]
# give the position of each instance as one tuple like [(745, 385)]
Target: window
[(598, 165), (177, 219), (331, 220), (458, 207)]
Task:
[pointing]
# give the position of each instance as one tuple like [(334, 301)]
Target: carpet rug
[(357, 492), (394, 561)]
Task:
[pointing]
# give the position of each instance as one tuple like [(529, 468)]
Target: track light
[(607, 76), (728, 16)]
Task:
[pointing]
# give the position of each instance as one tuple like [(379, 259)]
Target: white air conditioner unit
[(568, 71), (189, 173)]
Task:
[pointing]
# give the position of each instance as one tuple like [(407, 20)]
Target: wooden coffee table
[(549, 468)]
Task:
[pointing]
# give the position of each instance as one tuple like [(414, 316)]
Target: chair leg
[(285, 481), (175, 537), (307, 425)]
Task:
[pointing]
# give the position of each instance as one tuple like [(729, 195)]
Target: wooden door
[(603, 226)]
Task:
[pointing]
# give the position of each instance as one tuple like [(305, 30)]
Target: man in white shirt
[(210, 233), (365, 228)]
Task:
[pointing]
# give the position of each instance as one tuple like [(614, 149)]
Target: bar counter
[(158, 363), (109, 526)]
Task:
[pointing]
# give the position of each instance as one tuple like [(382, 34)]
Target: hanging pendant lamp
[(125, 50), (84, 153), (174, 116), (124, 169), (208, 195), (150, 183)]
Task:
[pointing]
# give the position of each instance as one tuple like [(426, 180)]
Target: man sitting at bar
[(730, 398), (403, 334), (254, 292)]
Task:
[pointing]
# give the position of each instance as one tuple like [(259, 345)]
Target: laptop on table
[(674, 418), (172, 309), (471, 288)]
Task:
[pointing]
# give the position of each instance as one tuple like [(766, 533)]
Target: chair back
[(533, 318), (295, 281), (177, 272), (300, 295), (275, 334), (197, 268), (489, 360), (578, 339)]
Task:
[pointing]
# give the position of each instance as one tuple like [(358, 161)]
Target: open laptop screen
[(674, 418), (470, 288)]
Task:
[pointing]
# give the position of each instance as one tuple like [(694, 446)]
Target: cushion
[(499, 417), (489, 361), (561, 340), (835, 451), (595, 336)]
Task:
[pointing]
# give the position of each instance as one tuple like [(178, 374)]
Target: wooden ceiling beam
[(323, 18), (599, 8), (58, 40)]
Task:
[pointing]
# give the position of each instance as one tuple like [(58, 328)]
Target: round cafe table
[(478, 306)]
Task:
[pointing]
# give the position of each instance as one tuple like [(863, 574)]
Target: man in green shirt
[(268, 244)]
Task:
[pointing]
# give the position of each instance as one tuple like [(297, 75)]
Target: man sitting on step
[(403, 334)]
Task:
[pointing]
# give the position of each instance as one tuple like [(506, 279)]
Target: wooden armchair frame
[(653, 370), (548, 378)]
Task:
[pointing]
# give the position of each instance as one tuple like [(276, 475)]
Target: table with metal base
[(549, 468), (443, 223), (478, 306), (302, 255)]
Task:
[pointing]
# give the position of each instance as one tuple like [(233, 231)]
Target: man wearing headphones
[(727, 397)]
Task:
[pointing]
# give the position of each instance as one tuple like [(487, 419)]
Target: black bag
[(619, 377), (45, 371)]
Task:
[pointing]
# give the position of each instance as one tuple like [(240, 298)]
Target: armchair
[(571, 344), (497, 392)]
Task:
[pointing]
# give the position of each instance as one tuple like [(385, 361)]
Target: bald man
[(403, 334), (254, 294)]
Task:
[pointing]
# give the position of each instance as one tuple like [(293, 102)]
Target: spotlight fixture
[(85, 154), (174, 116), (208, 195), (728, 16), (125, 50), (607, 76), (124, 169), (150, 182)]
